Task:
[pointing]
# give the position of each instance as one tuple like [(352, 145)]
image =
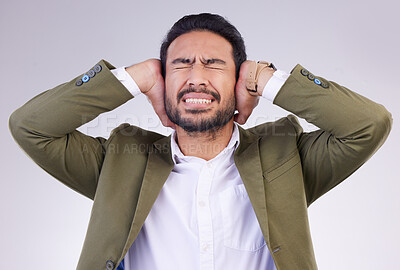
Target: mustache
[(198, 90)]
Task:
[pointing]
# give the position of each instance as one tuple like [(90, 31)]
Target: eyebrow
[(204, 61)]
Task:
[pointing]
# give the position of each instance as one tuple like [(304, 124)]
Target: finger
[(240, 119), (165, 119), (168, 123), (235, 118)]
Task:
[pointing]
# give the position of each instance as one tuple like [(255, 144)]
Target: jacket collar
[(248, 163), (158, 168), (178, 156), (160, 165)]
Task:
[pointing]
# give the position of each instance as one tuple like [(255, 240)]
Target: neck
[(205, 145)]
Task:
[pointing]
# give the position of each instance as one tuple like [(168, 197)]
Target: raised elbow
[(381, 125), (14, 125)]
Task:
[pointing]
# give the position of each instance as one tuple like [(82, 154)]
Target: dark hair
[(206, 22)]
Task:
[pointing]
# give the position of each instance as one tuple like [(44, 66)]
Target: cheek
[(222, 78), (226, 85), (228, 91), (171, 93), (174, 81)]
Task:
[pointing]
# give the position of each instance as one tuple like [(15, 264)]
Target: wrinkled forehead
[(200, 45)]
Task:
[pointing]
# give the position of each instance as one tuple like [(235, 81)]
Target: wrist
[(265, 75), (142, 75), (258, 74)]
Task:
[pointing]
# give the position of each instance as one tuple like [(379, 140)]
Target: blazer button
[(311, 76), (317, 81), (85, 78), (109, 265), (91, 73), (78, 82), (304, 72), (97, 68), (324, 84)]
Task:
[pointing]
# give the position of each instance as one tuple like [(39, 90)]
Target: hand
[(147, 76), (245, 102)]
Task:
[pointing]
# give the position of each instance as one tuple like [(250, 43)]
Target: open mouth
[(198, 100), (197, 103), (195, 100)]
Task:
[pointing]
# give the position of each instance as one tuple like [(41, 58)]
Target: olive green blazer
[(283, 169)]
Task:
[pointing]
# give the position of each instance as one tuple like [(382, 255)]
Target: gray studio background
[(46, 43)]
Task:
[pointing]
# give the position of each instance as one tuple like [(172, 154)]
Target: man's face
[(200, 81)]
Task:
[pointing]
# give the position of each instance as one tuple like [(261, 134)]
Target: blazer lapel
[(158, 168), (160, 165), (247, 160)]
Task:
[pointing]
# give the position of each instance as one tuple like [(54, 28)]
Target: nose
[(197, 76)]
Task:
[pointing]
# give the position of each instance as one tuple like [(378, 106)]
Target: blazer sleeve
[(352, 128), (45, 127)]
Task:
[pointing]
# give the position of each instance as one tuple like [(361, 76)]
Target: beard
[(196, 122)]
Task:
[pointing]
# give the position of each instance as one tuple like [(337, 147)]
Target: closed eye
[(214, 63), (184, 67), (205, 66), (213, 67)]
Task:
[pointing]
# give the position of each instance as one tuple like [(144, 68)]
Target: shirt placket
[(204, 219)]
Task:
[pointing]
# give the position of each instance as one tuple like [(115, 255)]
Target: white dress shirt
[(202, 219)]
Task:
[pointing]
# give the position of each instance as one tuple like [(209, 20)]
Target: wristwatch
[(253, 74)]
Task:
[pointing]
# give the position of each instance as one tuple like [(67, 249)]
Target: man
[(212, 195)]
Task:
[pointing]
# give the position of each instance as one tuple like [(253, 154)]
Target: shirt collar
[(178, 156)]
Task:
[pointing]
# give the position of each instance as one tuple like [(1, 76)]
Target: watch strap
[(253, 74)]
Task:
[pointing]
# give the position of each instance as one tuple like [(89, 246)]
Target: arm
[(352, 128), (45, 127)]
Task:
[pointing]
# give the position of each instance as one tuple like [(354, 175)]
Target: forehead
[(200, 43)]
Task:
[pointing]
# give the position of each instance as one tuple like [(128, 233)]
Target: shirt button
[(209, 165), (204, 247), (202, 203)]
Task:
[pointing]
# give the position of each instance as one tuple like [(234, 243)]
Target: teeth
[(198, 100)]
